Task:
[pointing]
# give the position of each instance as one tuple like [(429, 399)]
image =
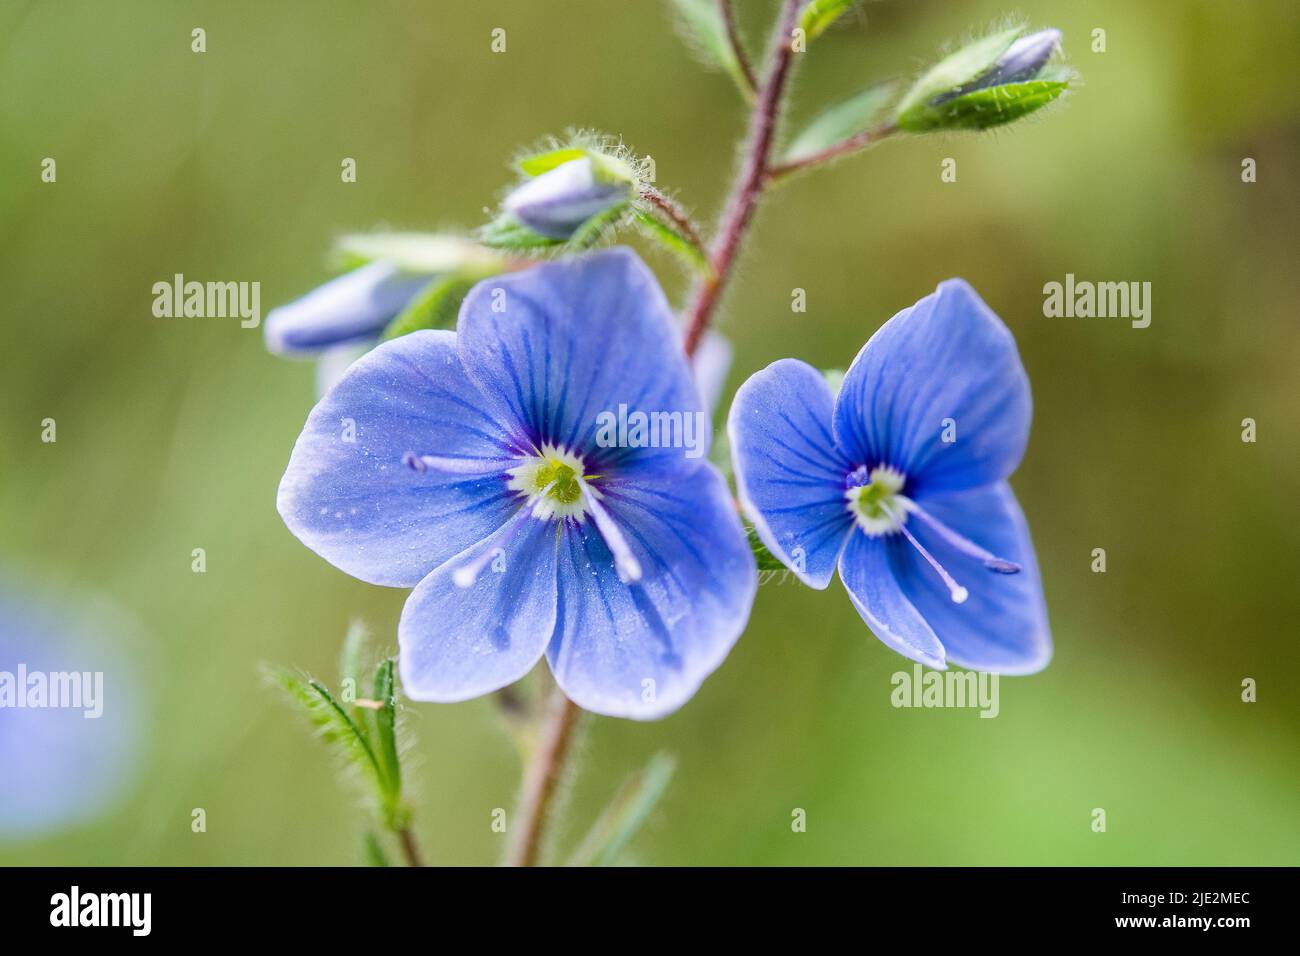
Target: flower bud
[(558, 202), (352, 308), (1022, 61)]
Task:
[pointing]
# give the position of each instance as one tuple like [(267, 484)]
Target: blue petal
[(947, 357), (357, 505), (789, 475), (1002, 626), (642, 650), (556, 345), (560, 200), (867, 570), (355, 306), (461, 642)]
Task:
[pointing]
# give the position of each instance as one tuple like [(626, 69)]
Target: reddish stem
[(750, 182)]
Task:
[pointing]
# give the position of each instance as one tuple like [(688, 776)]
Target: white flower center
[(877, 506), (555, 483)]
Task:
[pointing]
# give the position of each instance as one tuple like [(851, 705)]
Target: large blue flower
[(900, 480), (468, 466)]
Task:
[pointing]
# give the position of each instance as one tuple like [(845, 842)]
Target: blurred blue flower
[(900, 480), (558, 202), (467, 466), (350, 309), (69, 714)]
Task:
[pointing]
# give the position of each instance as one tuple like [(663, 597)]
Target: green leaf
[(820, 14), (841, 122), (507, 232), (417, 252), (621, 820), (957, 68), (983, 109), (707, 33), (436, 306), (375, 855), (540, 163), (385, 693), (672, 239), (333, 723), (764, 558)]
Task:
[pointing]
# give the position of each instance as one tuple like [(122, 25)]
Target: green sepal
[(983, 109), (418, 252), (507, 232), (539, 163), (952, 71), (436, 306), (764, 558)]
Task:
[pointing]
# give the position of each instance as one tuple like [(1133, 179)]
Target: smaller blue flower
[(61, 766), (558, 202), (900, 482), (351, 309)]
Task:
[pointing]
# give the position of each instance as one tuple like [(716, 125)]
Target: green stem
[(541, 780)]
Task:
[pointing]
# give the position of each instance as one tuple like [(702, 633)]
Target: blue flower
[(69, 715), (467, 466), (559, 201), (900, 480)]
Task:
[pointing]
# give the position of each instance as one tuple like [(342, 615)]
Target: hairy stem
[(860, 141), (737, 47), (541, 780), (750, 181), (674, 214)]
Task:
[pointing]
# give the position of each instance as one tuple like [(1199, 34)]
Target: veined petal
[(463, 636), (866, 568), (789, 475), (347, 494), (555, 346), (1002, 626), (355, 306), (947, 357), (641, 650)]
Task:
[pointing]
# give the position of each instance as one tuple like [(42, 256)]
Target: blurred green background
[(172, 434)]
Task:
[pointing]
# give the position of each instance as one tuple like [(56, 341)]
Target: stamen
[(965, 545), (465, 575), (625, 562), (959, 593), (457, 466)]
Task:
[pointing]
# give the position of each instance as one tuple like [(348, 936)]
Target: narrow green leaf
[(385, 693), (957, 68), (707, 34), (842, 121), (820, 14), (436, 306), (417, 252), (621, 820), (507, 232), (333, 723), (983, 109), (671, 239), (540, 163), (764, 558), (375, 855)]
